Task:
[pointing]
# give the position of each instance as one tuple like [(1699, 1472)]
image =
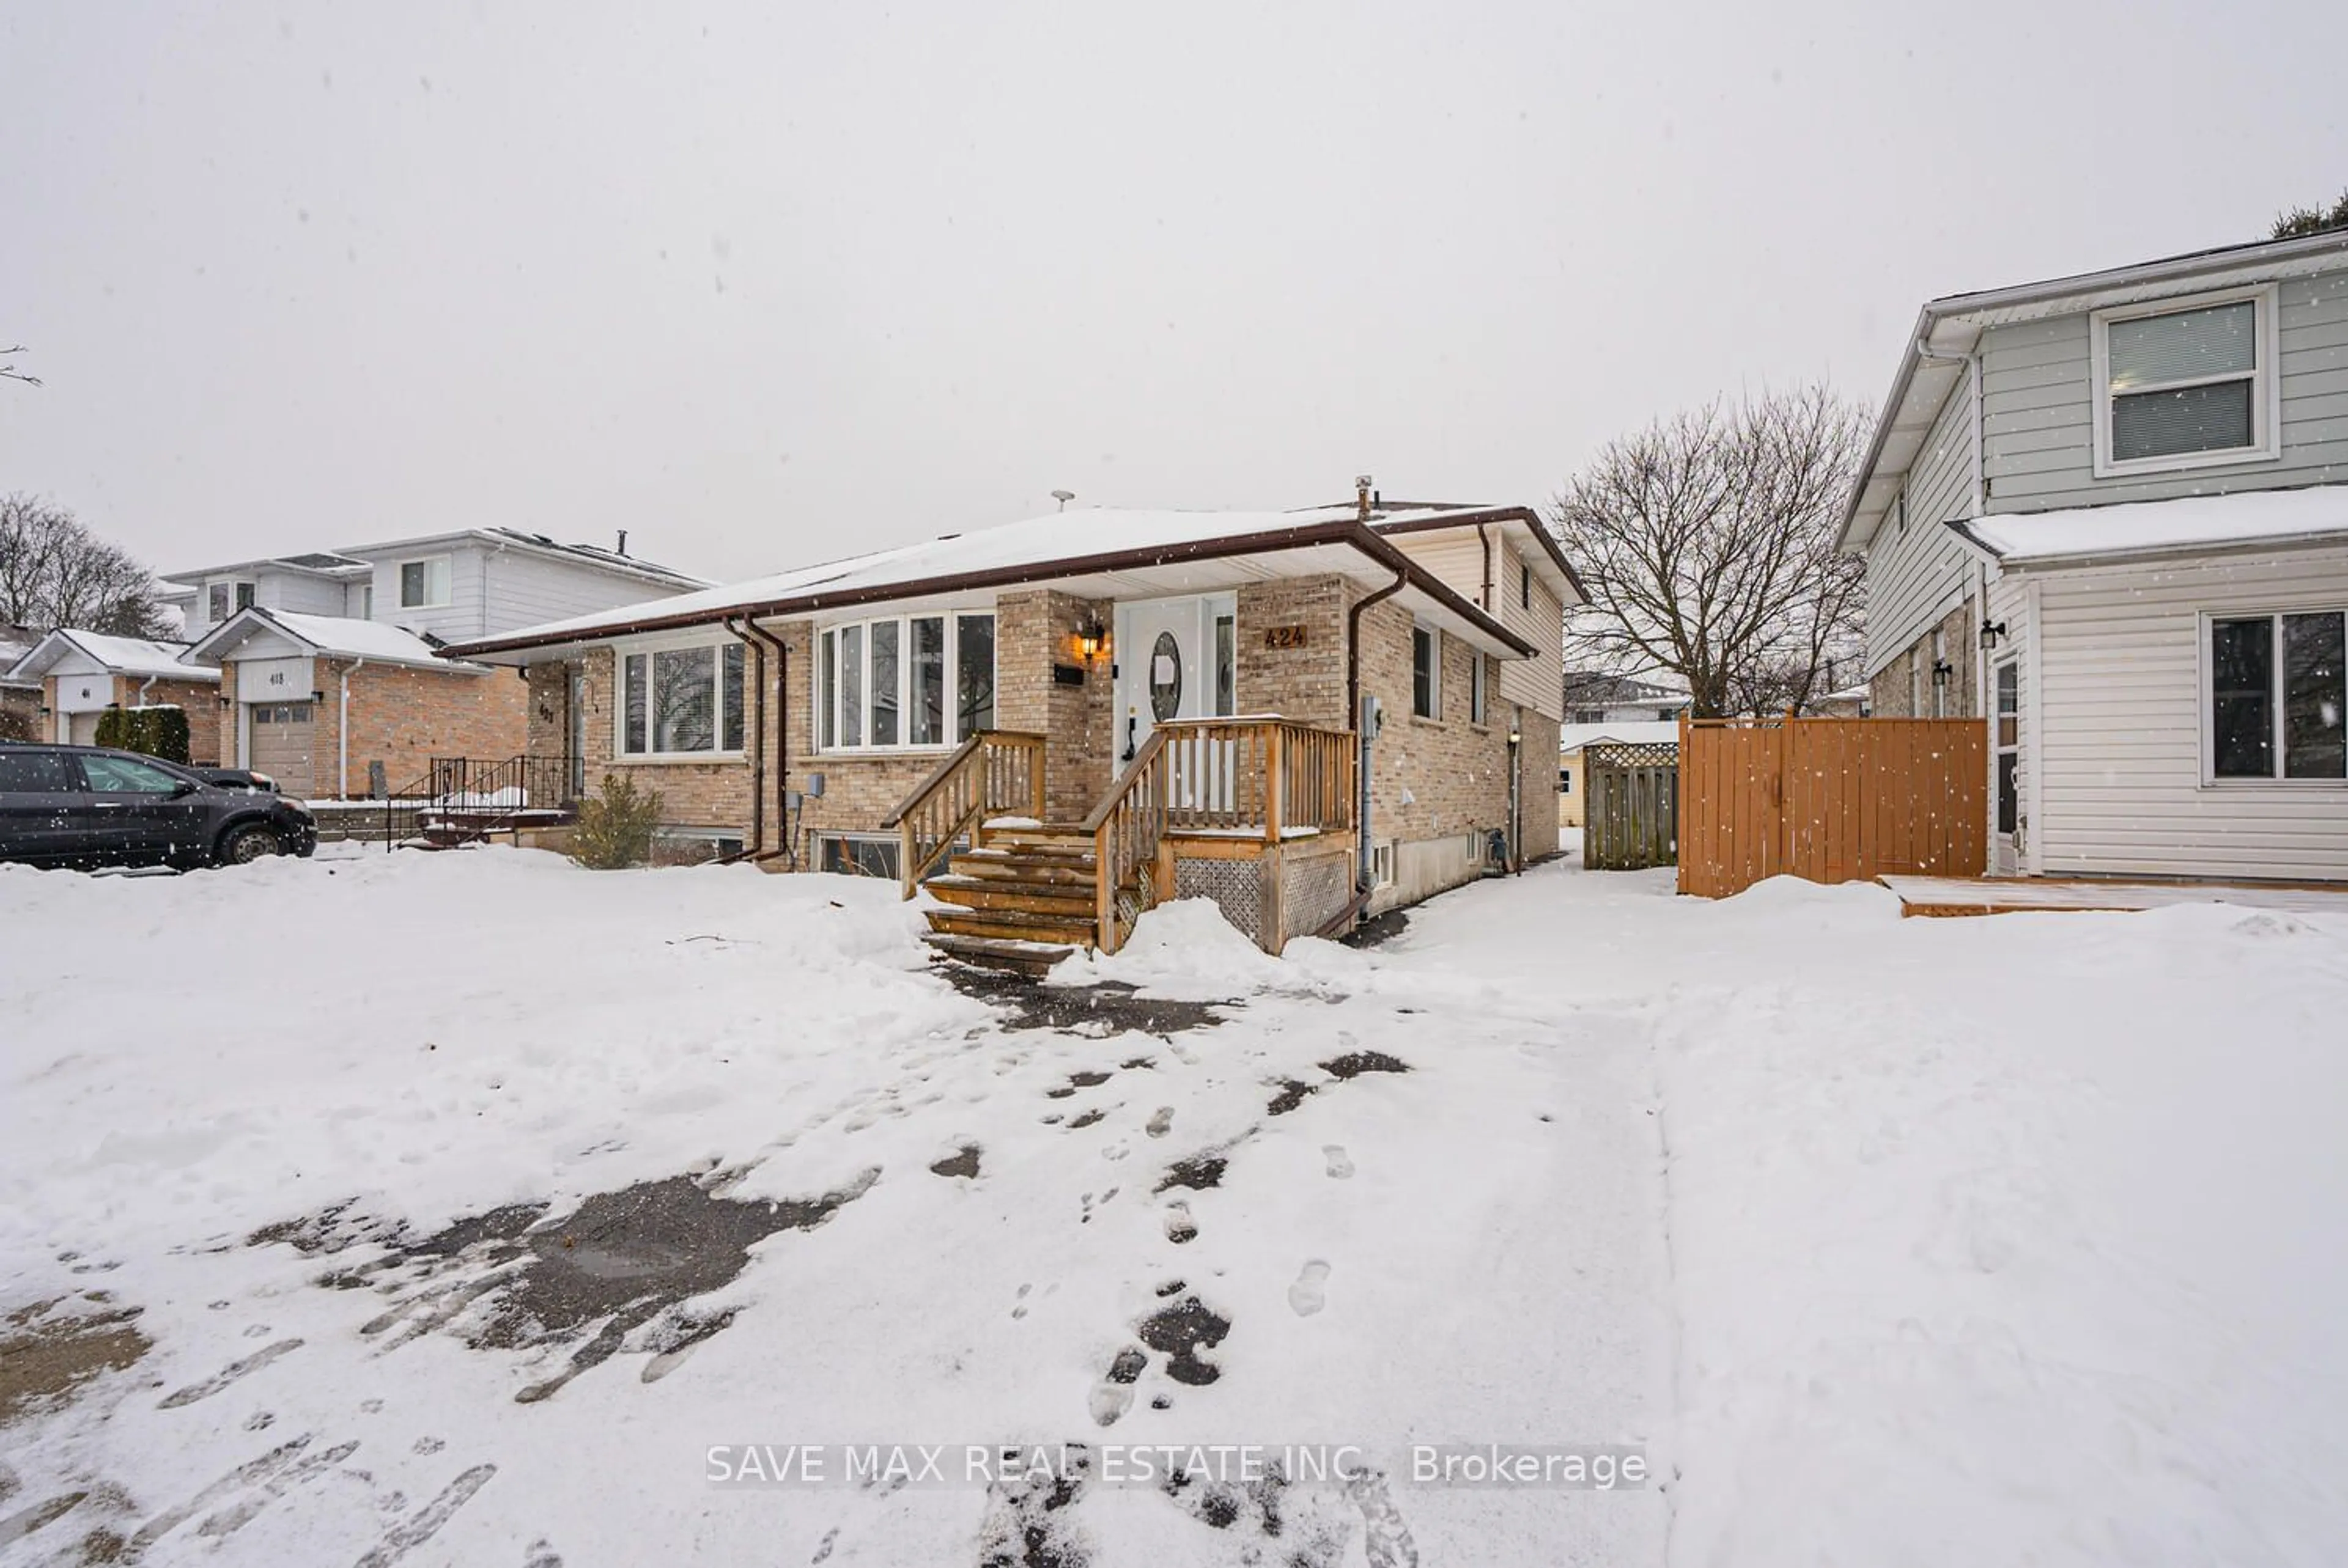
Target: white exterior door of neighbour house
[(2005, 763), (1176, 659)]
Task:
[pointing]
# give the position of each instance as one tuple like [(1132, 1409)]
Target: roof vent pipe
[(623, 542), (1361, 494)]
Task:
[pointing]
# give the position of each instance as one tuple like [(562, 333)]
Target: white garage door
[(280, 745), (81, 729)]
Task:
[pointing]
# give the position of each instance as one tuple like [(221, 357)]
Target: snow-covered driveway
[(1367, 1207), (475, 1209)]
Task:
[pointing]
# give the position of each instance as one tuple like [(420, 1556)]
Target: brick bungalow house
[(1054, 724), (83, 673)]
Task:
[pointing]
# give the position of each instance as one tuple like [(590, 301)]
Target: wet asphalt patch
[(1109, 1008), (49, 1349), (512, 1278), (1178, 1332)]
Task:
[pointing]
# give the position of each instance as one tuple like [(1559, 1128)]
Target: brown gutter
[(1345, 531)]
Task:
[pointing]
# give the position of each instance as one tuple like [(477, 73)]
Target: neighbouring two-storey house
[(2109, 515), (322, 669), (1055, 723)]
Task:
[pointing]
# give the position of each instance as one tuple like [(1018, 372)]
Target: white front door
[(1175, 659)]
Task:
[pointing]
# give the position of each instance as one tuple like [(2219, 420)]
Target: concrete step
[(1032, 958)]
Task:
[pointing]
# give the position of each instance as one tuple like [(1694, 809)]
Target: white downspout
[(342, 733)]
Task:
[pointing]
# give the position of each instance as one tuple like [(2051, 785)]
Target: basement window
[(856, 855)]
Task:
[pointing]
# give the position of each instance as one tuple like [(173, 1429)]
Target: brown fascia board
[(1469, 519), (1346, 531)]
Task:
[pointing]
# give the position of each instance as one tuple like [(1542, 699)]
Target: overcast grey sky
[(763, 283)]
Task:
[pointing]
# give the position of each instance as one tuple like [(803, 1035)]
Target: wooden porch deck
[(1949, 896)]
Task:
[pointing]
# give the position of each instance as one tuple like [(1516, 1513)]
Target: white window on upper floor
[(681, 701), (225, 597), (2185, 383), (424, 584)]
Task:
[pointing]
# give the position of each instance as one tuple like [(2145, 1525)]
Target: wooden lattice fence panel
[(1631, 817)]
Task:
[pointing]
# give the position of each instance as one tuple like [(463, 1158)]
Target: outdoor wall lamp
[(1092, 640), (1990, 632), (317, 696), (1942, 670), (45, 712), (228, 702)]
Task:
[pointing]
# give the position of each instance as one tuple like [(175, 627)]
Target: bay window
[(681, 701), (2278, 696), (905, 681)]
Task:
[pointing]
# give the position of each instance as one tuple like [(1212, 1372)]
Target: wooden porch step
[(1014, 926), (1033, 869), (1062, 836), (1032, 958), (1075, 899)]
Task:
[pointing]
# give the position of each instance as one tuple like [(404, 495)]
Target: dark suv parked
[(87, 806)]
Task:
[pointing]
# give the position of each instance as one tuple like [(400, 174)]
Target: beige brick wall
[(1034, 631), (404, 717), (1305, 684), (1892, 693)]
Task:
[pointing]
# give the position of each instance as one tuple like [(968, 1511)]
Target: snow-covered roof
[(1056, 544), (2187, 524), (333, 635), (118, 655), (1634, 733)]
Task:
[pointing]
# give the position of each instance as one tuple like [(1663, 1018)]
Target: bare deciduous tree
[(55, 572), (1707, 544), (9, 371)]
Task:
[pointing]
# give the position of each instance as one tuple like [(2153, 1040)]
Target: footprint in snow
[(1113, 1395), (1341, 1164), (1180, 1226), (1310, 1293), (227, 1375), (1162, 1122)]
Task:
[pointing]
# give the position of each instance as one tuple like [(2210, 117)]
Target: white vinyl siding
[(2114, 726), (2038, 393), (1916, 570)]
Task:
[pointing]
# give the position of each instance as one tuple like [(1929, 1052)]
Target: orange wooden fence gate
[(1831, 800)]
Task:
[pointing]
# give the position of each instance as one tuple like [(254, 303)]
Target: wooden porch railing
[(992, 773), (1241, 778)]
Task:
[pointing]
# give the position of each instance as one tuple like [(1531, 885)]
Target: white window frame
[(447, 583), (2266, 421), (1479, 691), (2276, 674), (645, 647), (822, 689), (1435, 683)]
